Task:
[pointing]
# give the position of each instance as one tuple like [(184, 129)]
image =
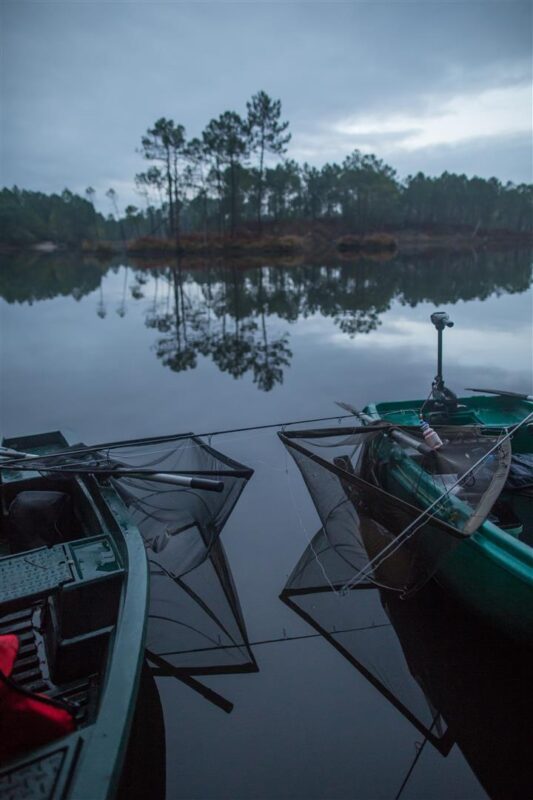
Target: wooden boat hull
[(491, 572), (87, 763)]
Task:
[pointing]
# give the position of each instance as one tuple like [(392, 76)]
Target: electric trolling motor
[(443, 398)]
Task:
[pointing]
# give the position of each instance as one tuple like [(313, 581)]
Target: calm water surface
[(346, 698)]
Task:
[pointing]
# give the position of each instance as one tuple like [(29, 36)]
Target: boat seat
[(40, 518)]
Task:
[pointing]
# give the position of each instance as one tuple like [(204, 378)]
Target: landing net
[(391, 513), (195, 623)]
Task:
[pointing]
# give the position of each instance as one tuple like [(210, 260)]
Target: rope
[(278, 640)]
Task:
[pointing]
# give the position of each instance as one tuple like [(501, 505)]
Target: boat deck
[(489, 411)]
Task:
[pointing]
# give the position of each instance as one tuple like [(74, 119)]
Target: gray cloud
[(82, 81)]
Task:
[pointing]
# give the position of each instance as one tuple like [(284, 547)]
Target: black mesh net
[(394, 513), (196, 625), (180, 524), (357, 623), (195, 622)]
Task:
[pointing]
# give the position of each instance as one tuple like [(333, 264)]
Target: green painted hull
[(86, 764), (491, 572)]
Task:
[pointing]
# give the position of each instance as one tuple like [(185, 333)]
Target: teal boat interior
[(73, 590), (512, 513), (487, 411)]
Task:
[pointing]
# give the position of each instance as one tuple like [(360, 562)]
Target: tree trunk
[(169, 195), (233, 199), (205, 214), (260, 188)]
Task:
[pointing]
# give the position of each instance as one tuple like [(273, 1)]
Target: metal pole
[(440, 320), (439, 356)]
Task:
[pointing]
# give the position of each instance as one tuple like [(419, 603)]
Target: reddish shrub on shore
[(376, 242), (100, 248), (150, 244), (371, 243), (349, 244)]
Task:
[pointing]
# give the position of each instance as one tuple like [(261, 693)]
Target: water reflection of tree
[(121, 308), (101, 308), (230, 313), (354, 296), (226, 313), (176, 348), (294, 291), (28, 276), (224, 320)]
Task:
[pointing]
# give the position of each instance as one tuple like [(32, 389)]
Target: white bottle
[(431, 437)]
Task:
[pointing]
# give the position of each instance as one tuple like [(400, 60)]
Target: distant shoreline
[(320, 239)]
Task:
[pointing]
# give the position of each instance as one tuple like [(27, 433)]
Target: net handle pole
[(9, 453), (399, 436), (178, 480), (157, 440), (501, 393), (439, 355), (403, 438), (158, 477)]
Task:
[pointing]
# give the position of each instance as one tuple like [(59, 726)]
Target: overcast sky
[(425, 85)]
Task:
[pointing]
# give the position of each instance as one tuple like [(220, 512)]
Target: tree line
[(235, 176)]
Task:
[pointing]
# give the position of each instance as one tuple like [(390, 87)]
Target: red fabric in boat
[(25, 722)]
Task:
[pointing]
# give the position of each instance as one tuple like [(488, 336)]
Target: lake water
[(345, 699)]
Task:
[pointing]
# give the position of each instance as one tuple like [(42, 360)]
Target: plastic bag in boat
[(521, 472)]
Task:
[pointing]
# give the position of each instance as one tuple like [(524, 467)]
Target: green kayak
[(439, 488), (74, 593), (491, 571)]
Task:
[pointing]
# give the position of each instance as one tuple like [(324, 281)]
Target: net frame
[(356, 486), (443, 741)]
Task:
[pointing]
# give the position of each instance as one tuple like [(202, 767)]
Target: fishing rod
[(13, 457), (188, 480), (501, 393), (399, 436), (120, 471)]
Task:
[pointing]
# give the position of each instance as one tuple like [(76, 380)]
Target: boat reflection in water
[(454, 681)]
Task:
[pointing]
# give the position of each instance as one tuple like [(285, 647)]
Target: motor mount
[(443, 397), (441, 320)]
